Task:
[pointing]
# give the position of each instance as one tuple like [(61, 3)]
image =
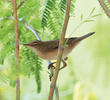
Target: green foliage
[(62, 5), (7, 6), (3, 52), (50, 4), (3, 78), (51, 21), (29, 8), (89, 18), (30, 64), (107, 3), (8, 46), (37, 68), (53, 16)]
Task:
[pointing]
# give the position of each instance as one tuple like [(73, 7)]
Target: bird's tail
[(84, 36)]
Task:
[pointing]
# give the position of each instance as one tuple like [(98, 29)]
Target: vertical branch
[(17, 48), (60, 51)]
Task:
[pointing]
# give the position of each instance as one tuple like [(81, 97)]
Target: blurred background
[(86, 76)]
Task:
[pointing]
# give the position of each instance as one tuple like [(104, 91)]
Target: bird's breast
[(51, 55), (47, 55)]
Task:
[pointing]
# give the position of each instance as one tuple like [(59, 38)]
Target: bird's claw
[(51, 65), (64, 63)]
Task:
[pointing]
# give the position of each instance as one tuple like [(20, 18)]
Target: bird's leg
[(51, 74), (51, 65), (65, 58), (64, 63)]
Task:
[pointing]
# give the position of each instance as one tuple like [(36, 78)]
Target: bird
[(48, 50)]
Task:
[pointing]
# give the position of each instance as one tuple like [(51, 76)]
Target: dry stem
[(60, 51), (17, 49)]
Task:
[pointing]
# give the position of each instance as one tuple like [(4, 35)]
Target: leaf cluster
[(30, 64), (53, 16), (107, 3)]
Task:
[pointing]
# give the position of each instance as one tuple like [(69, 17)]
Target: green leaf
[(13, 83), (95, 15), (92, 11), (49, 6), (3, 53), (62, 5), (88, 20)]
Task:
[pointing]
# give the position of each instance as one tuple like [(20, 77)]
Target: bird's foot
[(65, 58), (64, 63), (51, 65)]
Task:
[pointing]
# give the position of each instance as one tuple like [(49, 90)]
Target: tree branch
[(60, 51), (17, 48), (107, 11)]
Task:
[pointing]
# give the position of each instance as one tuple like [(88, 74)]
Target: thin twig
[(60, 51), (21, 3), (31, 29), (17, 49), (107, 11)]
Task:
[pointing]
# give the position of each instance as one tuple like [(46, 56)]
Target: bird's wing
[(54, 44), (51, 45), (70, 40)]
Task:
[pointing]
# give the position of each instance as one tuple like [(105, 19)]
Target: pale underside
[(52, 55)]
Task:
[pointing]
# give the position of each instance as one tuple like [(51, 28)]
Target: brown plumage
[(48, 49)]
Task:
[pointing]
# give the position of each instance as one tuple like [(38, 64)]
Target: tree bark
[(60, 51), (17, 48)]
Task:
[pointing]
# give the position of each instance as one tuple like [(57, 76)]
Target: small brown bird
[(48, 49)]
